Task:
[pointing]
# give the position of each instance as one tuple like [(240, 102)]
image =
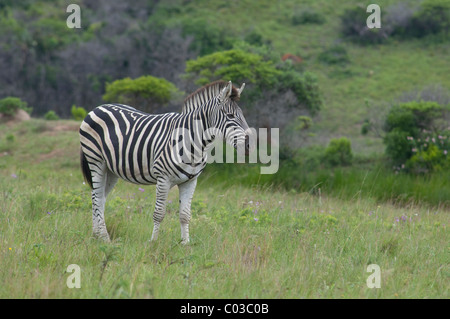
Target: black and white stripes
[(118, 141)]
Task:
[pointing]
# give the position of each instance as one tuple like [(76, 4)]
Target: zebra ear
[(241, 89), (226, 92)]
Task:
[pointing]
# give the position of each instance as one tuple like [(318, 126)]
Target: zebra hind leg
[(99, 174), (111, 181), (162, 191)]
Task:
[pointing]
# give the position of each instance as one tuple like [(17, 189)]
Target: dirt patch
[(65, 127), (57, 128), (59, 152), (19, 116)]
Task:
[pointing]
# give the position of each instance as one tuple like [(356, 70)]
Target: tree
[(273, 86), (146, 92)]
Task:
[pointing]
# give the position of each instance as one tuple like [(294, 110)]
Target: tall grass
[(378, 183)]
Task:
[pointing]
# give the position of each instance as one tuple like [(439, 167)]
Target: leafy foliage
[(78, 112), (417, 134), (51, 116), (262, 73)]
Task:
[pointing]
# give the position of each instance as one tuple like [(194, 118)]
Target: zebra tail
[(85, 169)]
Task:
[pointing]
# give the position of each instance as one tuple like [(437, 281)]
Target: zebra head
[(230, 120)]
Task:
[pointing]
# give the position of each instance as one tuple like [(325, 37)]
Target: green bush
[(398, 147), (430, 152), (417, 135), (10, 105), (432, 158), (78, 113), (339, 152), (51, 116)]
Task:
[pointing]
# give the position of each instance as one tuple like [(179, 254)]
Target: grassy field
[(247, 241)]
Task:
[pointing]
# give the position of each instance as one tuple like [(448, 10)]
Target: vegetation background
[(365, 135)]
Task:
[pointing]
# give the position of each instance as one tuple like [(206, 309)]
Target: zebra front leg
[(186, 193), (99, 173), (162, 191)]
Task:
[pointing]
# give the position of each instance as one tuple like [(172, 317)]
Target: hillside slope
[(62, 68)]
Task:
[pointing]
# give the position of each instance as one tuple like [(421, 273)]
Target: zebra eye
[(231, 115)]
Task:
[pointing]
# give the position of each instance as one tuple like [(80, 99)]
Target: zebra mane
[(206, 93)]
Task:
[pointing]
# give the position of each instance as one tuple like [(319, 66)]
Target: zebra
[(121, 142)]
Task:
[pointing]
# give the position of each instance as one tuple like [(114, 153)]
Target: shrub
[(305, 87), (51, 116), (307, 16), (432, 158), (417, 135), (398, 147), (78, 113), (339, 152), (10, 105), (354, 27), (402, 119), (336, 54), (430, 152)]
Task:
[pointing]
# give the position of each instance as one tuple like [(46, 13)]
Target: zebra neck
[(192, 126)]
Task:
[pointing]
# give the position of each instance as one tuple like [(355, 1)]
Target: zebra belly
[(185, 173)]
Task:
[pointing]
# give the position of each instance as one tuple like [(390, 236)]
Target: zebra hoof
[(103, 237)]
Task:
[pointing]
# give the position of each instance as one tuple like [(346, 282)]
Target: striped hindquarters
[(126, 139)]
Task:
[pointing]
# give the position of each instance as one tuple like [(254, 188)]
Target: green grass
[(247, 241)]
